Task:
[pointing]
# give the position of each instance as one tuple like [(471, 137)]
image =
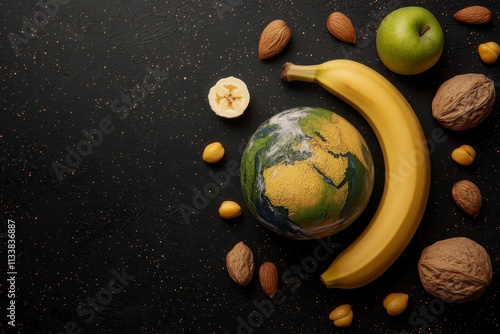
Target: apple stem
[(426, 29)]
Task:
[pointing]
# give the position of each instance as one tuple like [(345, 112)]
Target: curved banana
[(407, 167)]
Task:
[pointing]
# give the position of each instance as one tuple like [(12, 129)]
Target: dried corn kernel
[(464, 155), (489, 52), (230, 210), (342, 316), (213, 153), (395, 303)]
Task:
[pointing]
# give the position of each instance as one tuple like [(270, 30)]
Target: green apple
[(410, 40)]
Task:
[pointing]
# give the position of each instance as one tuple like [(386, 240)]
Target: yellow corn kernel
[(342, 316), (213, 153), (489, 52), (464, 155), (395, 303), (230, 210)]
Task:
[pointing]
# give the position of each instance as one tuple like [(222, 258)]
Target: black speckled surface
[(118, 213)]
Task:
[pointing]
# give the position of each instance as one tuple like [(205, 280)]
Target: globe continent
[(307, 173)]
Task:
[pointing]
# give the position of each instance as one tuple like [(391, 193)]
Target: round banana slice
[(229, 97)]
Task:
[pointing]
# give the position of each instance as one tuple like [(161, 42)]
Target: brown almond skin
[(340, 26), (468, 197), (473, 15), (268, 276), (273, 39)]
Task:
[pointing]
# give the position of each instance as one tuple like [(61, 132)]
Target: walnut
[(240, 264), (463, 101), (455, 270)]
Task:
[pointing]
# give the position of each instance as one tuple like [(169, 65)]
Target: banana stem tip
[(284, 72)]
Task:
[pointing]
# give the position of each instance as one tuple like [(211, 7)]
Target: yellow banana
[(407, 167)]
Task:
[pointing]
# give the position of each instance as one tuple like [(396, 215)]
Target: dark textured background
[(120, 207)]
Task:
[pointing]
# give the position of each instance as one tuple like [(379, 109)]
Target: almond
[(273, 39), (340, 26), (240, 264), (268, 275), (473, 15), (468, 197)]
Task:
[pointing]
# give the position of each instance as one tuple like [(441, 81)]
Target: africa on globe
[(306, 173)]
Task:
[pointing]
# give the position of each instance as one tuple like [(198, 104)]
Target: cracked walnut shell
[(464, 101), (455, 270)]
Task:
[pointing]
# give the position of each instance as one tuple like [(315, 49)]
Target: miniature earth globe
[(306, 173)]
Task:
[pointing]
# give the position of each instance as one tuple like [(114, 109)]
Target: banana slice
[(229, 97)]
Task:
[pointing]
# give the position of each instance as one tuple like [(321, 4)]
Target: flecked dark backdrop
[(105, 247)]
